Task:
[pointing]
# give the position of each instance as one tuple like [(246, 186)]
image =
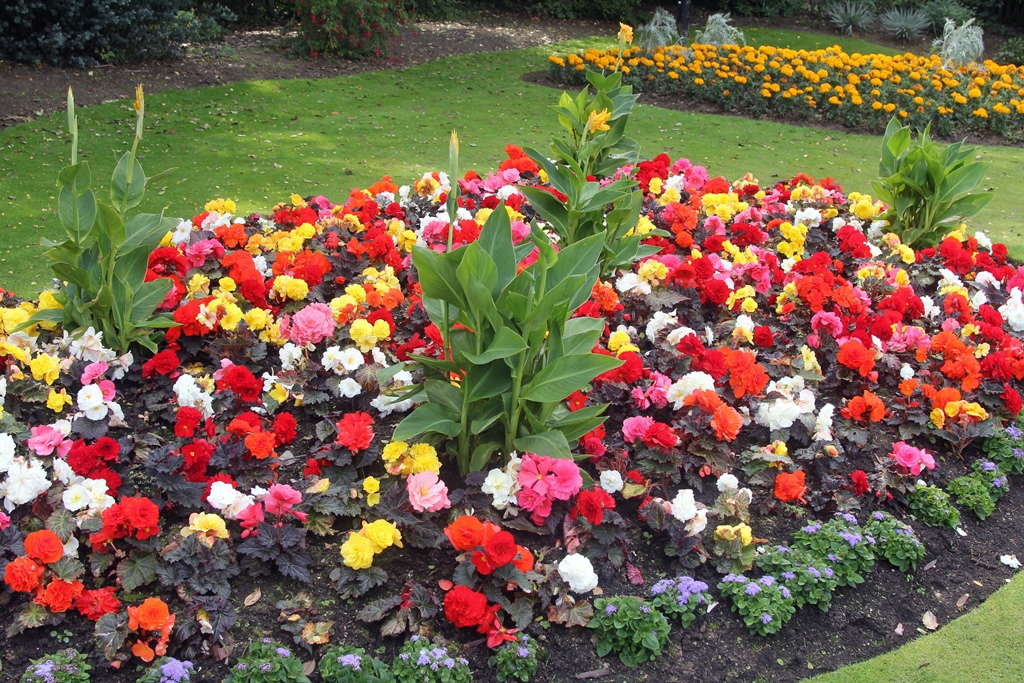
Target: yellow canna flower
[(625, 34), (598, 121)]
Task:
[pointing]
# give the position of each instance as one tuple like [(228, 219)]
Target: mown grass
[(260, 141), (982, 645)]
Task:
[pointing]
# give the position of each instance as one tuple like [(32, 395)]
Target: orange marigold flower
[(790, 487), (854, 355)]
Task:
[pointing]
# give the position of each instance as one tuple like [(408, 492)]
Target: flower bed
[(821, 85), (779, 355)]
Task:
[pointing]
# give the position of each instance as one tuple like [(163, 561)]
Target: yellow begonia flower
[(598, 121), (363, 334), (371, 485), (227, 284), (45, 368), (198, 286), (279, 393), (57, 400), (209, 525), (256, 319), (382, 534), (617, 339), (938, 418), (357, 552), (220, 205), (424, 459)]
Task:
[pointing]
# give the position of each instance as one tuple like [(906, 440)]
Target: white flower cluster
[(340, 362), (793, 402), (228, 500), (89, 347), (386, 404), (503, 484), (188, 393), (611, 481), (577, 571), (26, 477), (95, 406), (686, 385), (1013, 311), (690, 512)]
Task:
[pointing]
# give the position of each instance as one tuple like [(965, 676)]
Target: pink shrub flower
[(427, 493), (311, 325), (910, 458)]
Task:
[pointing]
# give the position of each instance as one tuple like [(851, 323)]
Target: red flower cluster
[(136, 517), (93, 461), (591, 504), (355, 431)]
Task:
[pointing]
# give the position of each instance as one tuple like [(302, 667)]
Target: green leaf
[(437, 276), (111, 229), (111, 630), (146, 231), (150, 295), (506, 343), (549, 208), (482, 455), (486, 381), (428, 417), (551, 444), (496, 241), (566, 375), (62, 523), (124, 194), (77, 212), (136, 570), (483, 419), (444, 394)]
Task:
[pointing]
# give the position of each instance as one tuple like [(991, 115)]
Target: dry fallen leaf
[(309, 667), (931, 565), (318, 633), (899, 629), (979, 584), (252, 598), (445, 585), (929, 621)]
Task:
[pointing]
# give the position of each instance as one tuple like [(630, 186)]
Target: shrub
[(353, 665), (1006, 449), (517, 661), (939, 11), (617, 10), (932, 505), (168, 670), (929, 189), (895, 541), (718, 31), (851, 15), (839, 542), (764, 605), (905, 24), (959, 45), (1012, 51), (764, 8), (83, 33), (659, 31), (419, 661), (348, 28), (680, 598), (66, 666), (971, 492), (808, 578), (630, 627), (267, 662)]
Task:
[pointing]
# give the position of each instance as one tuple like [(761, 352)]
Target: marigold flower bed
[(781, 354), (825, 85)]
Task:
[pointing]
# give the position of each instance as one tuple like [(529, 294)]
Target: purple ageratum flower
[(610, 609), (463, 661), (851, 538), (1014, 432), (524, 652), (767, 580), (766, 618), (661, 586), (645, 609), (405, 656), (788, 576), (879, 516), (814, 572), (266, 666), (850, 518), (353, 661), (424, 659), (999, 482), (988, 466), (832, 557), (449, 662), (241, 666), (783, 549), (752, 589), (811, 529), (1018, 453), (785, 592), (827, 571)]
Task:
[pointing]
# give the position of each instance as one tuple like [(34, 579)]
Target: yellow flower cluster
[(794, 238), (366, 335), (358, 551), (288, 287), (741, 531), (620, 343), (221, 205), (821, 82), (402, 459)]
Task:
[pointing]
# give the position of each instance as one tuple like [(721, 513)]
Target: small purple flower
[(1014, 432), (988, 466), (827, 571), (767, 580), (241, 666), (766, 618), (424, 659), (851, 538), (832, 557), (850, 518), (814, 572), (811, 528), (405, 656), (879, 516), (785, 592), (449, 662), (524, 652), (353, 661), (266, 666), (752, 589), (999, 482), (284, 652), (783, 549), (610, 609), (788, 576), (1018, 453), (645, 609)]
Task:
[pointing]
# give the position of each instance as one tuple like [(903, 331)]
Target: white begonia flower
[(823, 423), (181, 232), (744, 322), (778, 414), (686, 385), (979, 299), (727, 482), (89, 347), (349, 388), (290, 355), (659, 321), (577, 571), (906, 371), (64, 474), (188, 393), (698, 523), (228, 500), (331, 360), (116, 415), (25, 481), (502, 488), (90, 402), (930, 309), (611, 481), (378, 357), (988, 280), (684, 507), (630, 283), (810, 217), (7, 449), (351, 359), (76, 497), (983, 241), (1013, 311), (71, 547), (949, 279), (120, 366)]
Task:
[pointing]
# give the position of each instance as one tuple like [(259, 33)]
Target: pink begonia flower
[(640, 399), (830, 322), (950, 325), (94, 371), (46, 439), (535, 503), (520, 231), (568, 480), (311, 325), (250, 518), (108, 390), (197, 253), (713, 225), (280, 499), (5, 521), (535, 474), (634, 428), (427, 493), (910, 458), (224, 365)]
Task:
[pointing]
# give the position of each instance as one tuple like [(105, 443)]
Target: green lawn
[(258, 142)]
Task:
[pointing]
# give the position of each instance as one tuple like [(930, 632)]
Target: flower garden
[(587, 402), (855, 90)]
